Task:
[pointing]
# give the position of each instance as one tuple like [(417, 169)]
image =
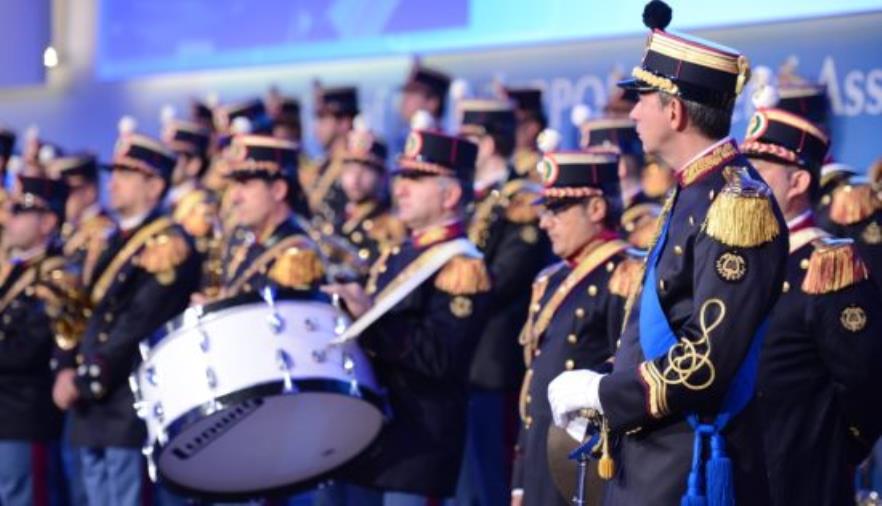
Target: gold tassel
[(626, 278), (463, 276), (834, 265), (297, 268), (521, 209), (741, 219), (163, 253), (606, 466), (851, 204)]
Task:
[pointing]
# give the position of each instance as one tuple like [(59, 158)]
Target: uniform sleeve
[(436, 342), (849, 334), (733, 290), (522, 253), (152, 304)]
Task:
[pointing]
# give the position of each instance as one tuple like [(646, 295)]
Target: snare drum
[(244, 397)]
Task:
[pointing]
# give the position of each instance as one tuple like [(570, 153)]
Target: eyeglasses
[(19, 208), (555, 209)]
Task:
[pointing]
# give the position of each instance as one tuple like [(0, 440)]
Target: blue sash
[(656, 338)]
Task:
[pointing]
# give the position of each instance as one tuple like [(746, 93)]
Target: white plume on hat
[(127, 125), (580, 114), (32, 133), (459, 89), (765, 94), (167, 113), (46, 154), (240, 125), (361, 124), (548, 140), (422, 120), (212, 99)]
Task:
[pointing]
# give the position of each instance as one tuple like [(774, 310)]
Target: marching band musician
[(369, 225), (679, 398), (815, 386), (577, 304), (531, 121), (427, 297), (143, 278), (7, 144), (503, 224), (33, 284), (268, 245), (86, 222), (335, 112)]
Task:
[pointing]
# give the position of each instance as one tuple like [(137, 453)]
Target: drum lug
[(211, 377), (340, 325), (274, 320), (141, 409), (158, 412), (144, 350), (354, 389), (204, 342), (285, 364), (348, 364), (152, 377), (147, 452), (135, 387), (310, 325)]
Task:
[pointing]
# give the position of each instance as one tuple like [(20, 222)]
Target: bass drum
[(245, 396)]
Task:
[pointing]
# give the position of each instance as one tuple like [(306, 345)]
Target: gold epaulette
[(196, 213), (521, 194), (742, 215), (298, 268), (626, 279), (463, 275), (162, 253), (387, 230), (833, 265), (851, 204)]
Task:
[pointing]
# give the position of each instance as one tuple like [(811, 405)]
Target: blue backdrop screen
[(138, 37)]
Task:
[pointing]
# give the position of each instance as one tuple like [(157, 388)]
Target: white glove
[(572, 391)]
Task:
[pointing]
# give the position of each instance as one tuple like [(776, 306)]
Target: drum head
[(268, 443)]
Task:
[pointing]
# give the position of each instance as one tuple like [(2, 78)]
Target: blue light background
[(138, 37)]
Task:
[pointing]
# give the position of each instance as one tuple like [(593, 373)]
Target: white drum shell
[(322, 420)]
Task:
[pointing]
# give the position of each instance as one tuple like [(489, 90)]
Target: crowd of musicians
[(708, 310)]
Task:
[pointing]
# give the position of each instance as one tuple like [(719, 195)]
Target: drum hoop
[(262, 391)]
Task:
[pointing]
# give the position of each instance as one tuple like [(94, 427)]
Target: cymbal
[(564, 471)]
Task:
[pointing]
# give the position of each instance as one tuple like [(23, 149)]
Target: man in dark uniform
[(32, 284), (421, 345), (425, 89), (86, 225), (369, 227), (531, 121), (7, 145), (335, 112), (824, 338), (142, 279), (684, 373), (189, 203), (268, 245), (503, 224), (577, 304)]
